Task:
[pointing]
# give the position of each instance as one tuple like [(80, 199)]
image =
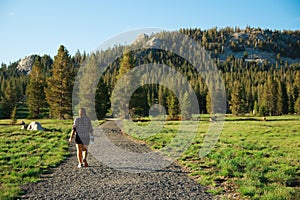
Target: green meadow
[(25, 154), (252, 159)]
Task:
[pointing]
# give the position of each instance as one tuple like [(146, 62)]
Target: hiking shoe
[(85, 163)]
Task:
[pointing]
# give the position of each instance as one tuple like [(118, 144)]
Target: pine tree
[(297, 106), (282, 99), (249, 102), (255, 108), (138, 104), (208, 104), (186, 106), (291, 100), (270, 96), (8, 100), (262, 110), (102, 103), (60, 85), (13, 116), (201, 96), (297, 85), (238, 102), (297, 91), (35, 93), (119, 101), (161, 98), (173, 106), (46, 62), (126, 64)]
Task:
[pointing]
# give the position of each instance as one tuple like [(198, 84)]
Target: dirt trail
[(101, 182)]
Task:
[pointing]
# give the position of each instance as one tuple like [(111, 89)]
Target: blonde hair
[(82, 112)]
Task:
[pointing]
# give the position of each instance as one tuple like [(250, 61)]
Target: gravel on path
[(101, 182)]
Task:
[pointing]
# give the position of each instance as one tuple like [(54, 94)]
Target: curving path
[(101, 182)]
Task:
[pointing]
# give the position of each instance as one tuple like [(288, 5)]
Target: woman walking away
[(82, 129)]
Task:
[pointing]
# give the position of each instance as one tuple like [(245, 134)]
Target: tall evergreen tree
[(46, 62), (255, 108), (282, 99), (249, 102), (161, 98), (270, 96), (291, 100), (238, 101), (297, 106), (126, 64), (8, 100), (102, 103), (13, 116), (297, 92), (173, 106), (35, 93), (297, 85), (137, 104), (201, 96), (60, 85), (186, 106), (119, 101), (208, 104), (253, 76)]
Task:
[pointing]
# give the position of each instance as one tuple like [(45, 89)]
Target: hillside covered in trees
[(260, 70)]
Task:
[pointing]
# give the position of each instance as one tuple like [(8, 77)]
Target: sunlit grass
[(25, 154), (257, 159)]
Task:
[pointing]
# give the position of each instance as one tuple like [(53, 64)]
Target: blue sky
[(39, 27)]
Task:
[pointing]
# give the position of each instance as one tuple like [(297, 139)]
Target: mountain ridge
[(250, 44)]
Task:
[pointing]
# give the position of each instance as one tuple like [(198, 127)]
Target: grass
[(254, 159), (25, 155)]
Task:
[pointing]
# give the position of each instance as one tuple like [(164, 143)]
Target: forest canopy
[(260, 70)]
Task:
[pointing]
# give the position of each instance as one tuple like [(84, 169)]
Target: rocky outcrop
[(253, 45), (141, 39), (26, 64), (153, 42), (144, 39)]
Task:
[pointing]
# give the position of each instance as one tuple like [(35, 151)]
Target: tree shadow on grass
[(263, 119)]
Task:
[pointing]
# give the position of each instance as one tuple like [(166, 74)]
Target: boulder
[(35, 126)]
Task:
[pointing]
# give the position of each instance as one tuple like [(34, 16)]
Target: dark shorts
[(82, 140)]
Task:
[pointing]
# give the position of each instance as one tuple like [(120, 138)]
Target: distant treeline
[(261, 88)]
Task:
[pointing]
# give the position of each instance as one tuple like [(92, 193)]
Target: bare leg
[(84, 154), (79, 153)]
